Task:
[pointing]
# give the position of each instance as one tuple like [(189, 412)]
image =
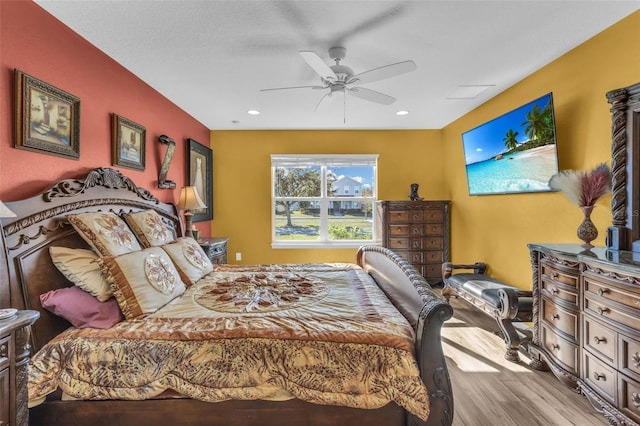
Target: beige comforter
[(322, 333)]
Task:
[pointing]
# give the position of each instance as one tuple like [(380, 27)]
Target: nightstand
[(215, 248), (14, 358)]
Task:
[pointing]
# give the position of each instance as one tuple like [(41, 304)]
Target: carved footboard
[(426, 312)]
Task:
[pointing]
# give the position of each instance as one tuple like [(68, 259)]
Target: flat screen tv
[(513, 153)]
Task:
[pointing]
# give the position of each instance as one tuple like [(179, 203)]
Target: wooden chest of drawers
[(587, 324), (14, 357), (417, 231)]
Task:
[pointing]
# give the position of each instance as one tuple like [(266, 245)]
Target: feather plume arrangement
[(583, 188)]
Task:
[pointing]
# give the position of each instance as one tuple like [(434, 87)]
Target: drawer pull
[(599, 376), (4, 350), (636, 360), (555, 346), (555, 291), (555, 316), (599, 340), (603, 311), (602, 291), (554, 275), (635, 399)]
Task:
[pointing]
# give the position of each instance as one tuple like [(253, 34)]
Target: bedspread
[(322, 333)]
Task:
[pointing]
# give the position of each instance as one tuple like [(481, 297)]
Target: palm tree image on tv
[(513, 153)]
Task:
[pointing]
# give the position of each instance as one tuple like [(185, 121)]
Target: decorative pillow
[(149, 228), (189, 258), (81, 309), (142, 281), (105, 232), (81, 267)]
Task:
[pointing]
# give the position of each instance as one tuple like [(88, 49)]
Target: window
[(313, 205)]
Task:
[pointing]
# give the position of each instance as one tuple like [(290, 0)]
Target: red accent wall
[(36, 43)]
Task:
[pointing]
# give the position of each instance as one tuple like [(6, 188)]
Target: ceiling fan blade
[(381, 73), (326, 102), (293, 87), (318, 65), (371, 95)]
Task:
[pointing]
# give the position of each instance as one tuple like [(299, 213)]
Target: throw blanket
[(322, 333)]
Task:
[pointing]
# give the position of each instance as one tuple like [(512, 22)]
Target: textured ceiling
[(211, 58)]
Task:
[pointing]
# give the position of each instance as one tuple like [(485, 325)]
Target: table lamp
[(190, 200)]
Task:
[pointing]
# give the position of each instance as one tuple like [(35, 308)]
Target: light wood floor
[(491, 391)]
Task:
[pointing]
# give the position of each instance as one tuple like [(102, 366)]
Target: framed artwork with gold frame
[(47, 118)]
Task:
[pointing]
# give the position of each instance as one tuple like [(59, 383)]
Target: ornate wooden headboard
[(41, 223)]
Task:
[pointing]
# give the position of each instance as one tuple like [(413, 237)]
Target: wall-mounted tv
[(513, 153)]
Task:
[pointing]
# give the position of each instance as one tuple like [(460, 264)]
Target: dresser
[(586, 329), (417, 231), (14, 357), (215, 248)]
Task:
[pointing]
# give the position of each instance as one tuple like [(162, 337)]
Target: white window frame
[(323, 161)]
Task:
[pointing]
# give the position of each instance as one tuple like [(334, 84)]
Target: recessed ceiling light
[(253, 112), (403, 112)]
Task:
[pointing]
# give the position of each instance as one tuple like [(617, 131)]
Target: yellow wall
[(242, 180), (497, 228)]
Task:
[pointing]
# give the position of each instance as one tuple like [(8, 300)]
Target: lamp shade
[(5, 211), (190, 200)]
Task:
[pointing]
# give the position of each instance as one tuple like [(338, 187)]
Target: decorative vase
[(587, 231)]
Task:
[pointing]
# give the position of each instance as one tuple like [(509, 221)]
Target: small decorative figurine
[(414, 193)]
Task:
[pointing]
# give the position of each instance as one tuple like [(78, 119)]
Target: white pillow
[(81, 267)]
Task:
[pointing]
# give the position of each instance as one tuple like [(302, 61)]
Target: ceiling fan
[(341, 80)]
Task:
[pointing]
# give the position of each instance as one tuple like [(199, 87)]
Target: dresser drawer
[(433, 243), (560, 318), (432, 272), (610, 310), (416, 230), (432, 229), (609, 291), (552, 289), (599, 376), (565, 352), (398, 243), (629, 356), (433, 256), (398, 216), (434, 216), (601, 340), (416, 216), (556, 273), (4, 353), (399, 230), (629, 397), (4, 397)]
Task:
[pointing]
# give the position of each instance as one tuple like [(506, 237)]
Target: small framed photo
[(47, 118), (200, 175), (128, 143)]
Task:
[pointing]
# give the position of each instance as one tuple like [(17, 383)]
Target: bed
[(380, 294)]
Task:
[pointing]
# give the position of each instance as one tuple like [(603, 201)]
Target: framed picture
[(128, 143), (200, 175), (47, 118)]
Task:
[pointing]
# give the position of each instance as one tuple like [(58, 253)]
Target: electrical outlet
[(238, 256)]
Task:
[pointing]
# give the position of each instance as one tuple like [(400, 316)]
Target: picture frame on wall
[(128, 143), (200, 175), (47, 118)]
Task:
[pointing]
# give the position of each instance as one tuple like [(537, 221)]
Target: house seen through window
[(323, 200)]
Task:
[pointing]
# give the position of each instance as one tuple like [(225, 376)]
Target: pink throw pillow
[(82, 309)]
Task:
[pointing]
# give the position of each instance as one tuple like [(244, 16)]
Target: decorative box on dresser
[(14, 358), (587, 324), (215, 248), (417, 231)]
